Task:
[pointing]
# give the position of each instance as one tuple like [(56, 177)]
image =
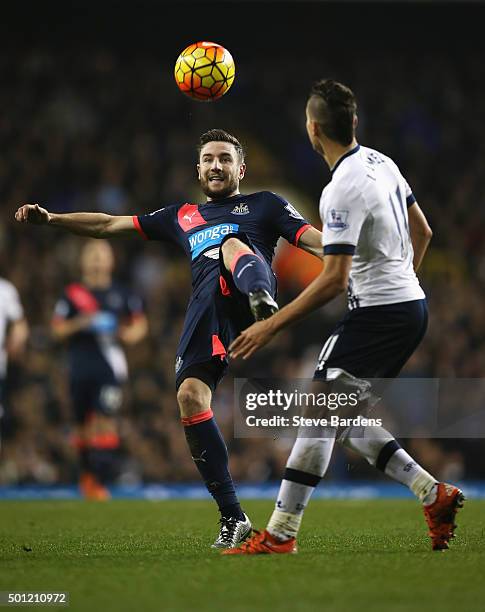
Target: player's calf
[(250, 272), (209, 454)]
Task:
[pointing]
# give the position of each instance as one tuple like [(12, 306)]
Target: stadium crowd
[(94, 131)]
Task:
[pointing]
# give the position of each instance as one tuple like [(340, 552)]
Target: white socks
[(309, 461), (381, 450), (306, 465)]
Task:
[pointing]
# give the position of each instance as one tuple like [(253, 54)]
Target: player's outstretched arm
[(421, 233), (311, 241), (95, 225)]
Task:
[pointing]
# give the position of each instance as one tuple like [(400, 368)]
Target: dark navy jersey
[(200, 228), (95, 353), (259, 219)]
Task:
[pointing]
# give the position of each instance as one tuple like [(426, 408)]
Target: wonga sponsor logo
[(210, 237)]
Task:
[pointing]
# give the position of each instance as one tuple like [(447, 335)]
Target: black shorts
[(98, 396), (212, 322), (373, 341)]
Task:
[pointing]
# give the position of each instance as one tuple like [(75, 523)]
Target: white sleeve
[(13, 307), (343, 215), (410, 199)]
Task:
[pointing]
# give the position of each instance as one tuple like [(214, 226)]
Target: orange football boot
[(263, 543), (440, 515), (91, 489)]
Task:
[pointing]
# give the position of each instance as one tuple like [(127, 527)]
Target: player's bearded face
[(220, 170)]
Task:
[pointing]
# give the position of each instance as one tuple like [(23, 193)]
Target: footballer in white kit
[(364, 212), (13, 333), (374, 238)]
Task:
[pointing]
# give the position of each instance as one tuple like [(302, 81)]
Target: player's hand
[(83, 322), (251, 339), (32, 213)]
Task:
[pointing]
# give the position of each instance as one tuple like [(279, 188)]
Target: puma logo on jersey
[(189, 217)]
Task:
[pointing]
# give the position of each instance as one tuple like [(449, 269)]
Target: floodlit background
[(91, 120)]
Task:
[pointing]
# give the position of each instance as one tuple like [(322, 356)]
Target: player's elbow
[(424, 233), (428, 232)]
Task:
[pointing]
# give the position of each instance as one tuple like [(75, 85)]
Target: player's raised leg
[(209, 453), (251, 275)]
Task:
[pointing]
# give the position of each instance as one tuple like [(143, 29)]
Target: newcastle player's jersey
[(200, 228), (95, 352), (259, 219)]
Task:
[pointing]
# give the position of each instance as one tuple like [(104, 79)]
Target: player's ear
[(198, 171), (315, 129), (355, 122), (242, 171)]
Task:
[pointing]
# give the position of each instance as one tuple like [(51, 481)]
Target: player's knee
[(191, 399), (230, 248)]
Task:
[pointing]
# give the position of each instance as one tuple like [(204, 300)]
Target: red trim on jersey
[(302, 229), (240, 254), (82, 298), (218, 349), (138, 227), (104, 440), (189, 217), (197, 418), (224, 288)]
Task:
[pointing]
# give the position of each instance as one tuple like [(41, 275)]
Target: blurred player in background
[(14, 332), (230, 240), (374, 239), (94, 317)]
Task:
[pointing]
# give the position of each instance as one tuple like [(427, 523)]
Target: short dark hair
[(218, 135), (334, 110)]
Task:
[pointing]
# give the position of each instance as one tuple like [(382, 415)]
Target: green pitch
[(139, 555)]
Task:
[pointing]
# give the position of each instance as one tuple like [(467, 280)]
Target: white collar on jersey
[(344, 156)]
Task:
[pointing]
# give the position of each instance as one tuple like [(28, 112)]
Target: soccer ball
[(204, 71)]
